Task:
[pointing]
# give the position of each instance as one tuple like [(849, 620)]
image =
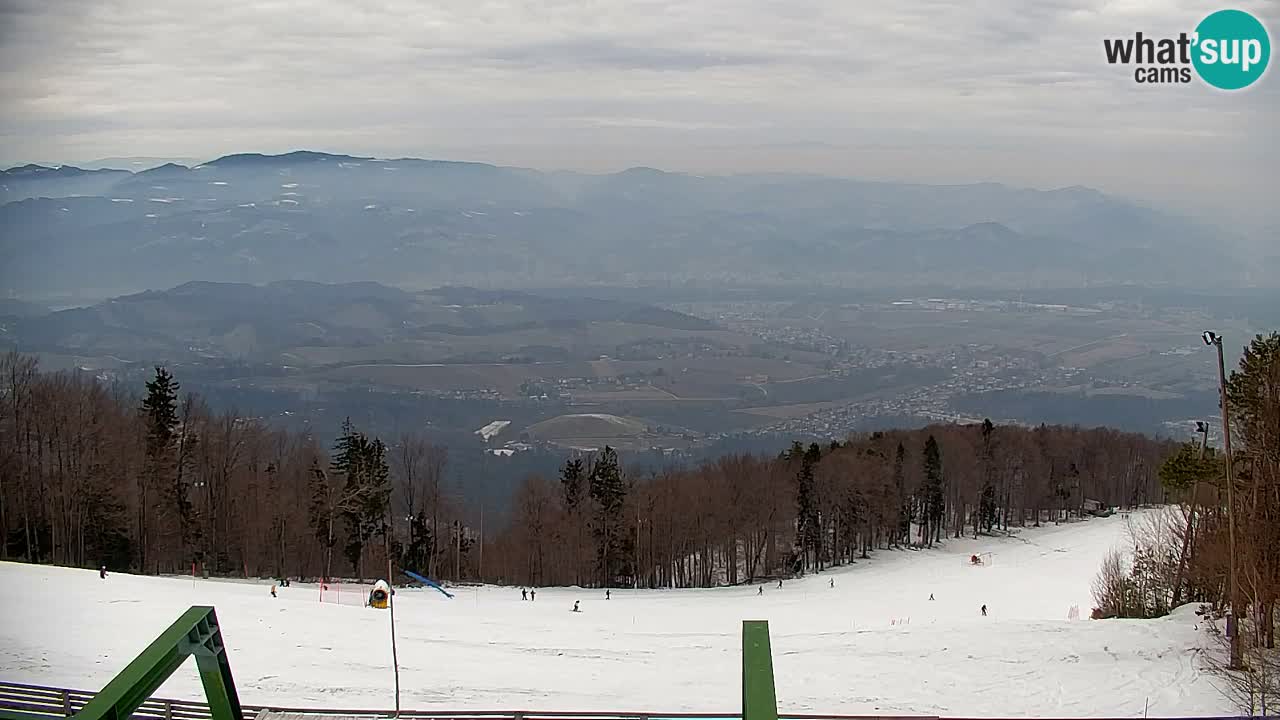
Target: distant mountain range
[(423, 223)]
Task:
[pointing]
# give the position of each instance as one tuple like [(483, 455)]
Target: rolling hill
[(298, 322)]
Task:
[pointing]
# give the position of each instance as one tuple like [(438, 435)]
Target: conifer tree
[(904, 501), (609, 493), (935, 505), (155, 484), (572, 480)]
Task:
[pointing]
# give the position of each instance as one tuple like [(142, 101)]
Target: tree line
[(1187, 553), (743, 518), (93, 475)]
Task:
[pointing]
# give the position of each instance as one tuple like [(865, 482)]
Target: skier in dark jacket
[(102, 573), (984, 611)]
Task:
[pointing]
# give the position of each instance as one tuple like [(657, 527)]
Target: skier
[(575, 606), (273, 590), (533, 595), (984, 611), (833, 582), (779, 583), (524, 594), (930, 596), (761, 590), (606, 594), (102, 573)]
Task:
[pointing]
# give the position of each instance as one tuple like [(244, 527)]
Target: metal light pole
[(1237, 655)]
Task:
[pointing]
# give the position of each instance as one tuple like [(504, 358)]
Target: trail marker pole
[(391, 609)]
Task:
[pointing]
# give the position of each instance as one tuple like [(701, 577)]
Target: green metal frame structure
[(195, 633), (759, 700)]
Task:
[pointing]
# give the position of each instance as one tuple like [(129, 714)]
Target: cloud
[(604, 52), (135, 77)]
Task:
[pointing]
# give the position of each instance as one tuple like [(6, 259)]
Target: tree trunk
[(1269, 622)]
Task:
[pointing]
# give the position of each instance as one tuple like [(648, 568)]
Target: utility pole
[(637, 550), (391, 608), (1233, 621)]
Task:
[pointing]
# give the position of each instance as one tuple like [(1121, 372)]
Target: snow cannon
[(380, 596)]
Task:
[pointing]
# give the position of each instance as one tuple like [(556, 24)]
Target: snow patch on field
[(873, 644), (489, 431)]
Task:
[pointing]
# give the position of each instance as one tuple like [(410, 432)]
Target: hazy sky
[(935, 90)]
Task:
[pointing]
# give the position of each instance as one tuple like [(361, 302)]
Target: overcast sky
[(1015, 91)]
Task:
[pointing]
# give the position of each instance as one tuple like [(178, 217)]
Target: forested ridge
[(92, 475)]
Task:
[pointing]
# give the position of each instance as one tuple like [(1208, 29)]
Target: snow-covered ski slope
[(873, 644)]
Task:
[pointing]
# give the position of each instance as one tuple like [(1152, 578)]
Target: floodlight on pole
[(1237, 656)]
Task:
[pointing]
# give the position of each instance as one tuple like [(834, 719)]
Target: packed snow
[(491, 430), (872, 644)]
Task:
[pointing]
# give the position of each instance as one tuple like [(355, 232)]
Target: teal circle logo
[(1231, 49)]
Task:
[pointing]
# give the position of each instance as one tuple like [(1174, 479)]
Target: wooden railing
[(61, 702)]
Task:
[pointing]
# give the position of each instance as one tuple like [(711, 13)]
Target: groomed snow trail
[(874, 643)]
